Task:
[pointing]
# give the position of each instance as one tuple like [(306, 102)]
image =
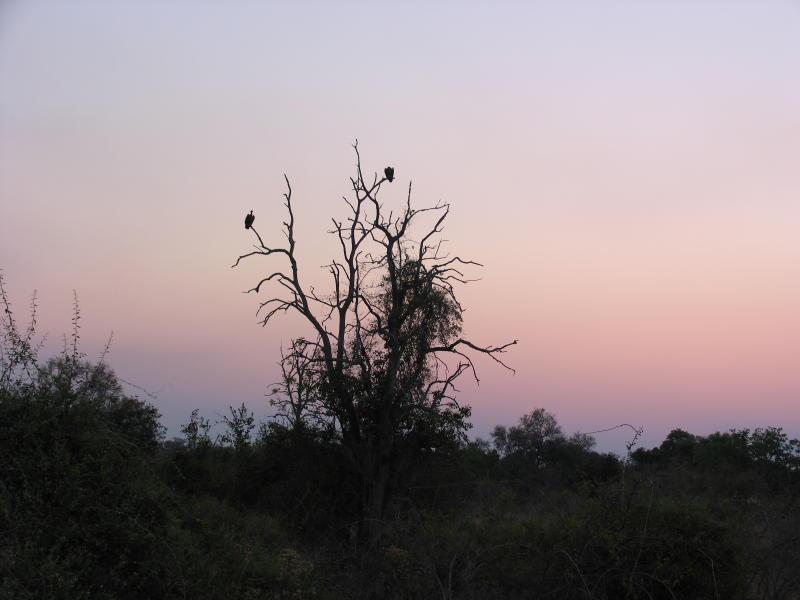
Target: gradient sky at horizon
[(629, 174)]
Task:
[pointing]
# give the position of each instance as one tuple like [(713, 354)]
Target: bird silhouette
[(389, 172), (248, 220)]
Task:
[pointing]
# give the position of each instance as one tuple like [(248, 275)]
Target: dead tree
[(296, 396), (387, 347)]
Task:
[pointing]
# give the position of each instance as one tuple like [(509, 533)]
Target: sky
[(627, 173)]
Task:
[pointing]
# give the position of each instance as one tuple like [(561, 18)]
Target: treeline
[(94, 503)]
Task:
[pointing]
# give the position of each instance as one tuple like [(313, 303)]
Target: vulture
[(389, 172), (248, 220)]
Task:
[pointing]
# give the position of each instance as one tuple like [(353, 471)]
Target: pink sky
[(629, 175)]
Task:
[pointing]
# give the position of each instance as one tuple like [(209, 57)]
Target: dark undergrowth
[(94, 503)]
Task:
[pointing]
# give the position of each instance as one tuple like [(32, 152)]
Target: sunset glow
[(629, 175)]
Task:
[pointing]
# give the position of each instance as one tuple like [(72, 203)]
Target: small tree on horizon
[(386, 346), (530, 437)]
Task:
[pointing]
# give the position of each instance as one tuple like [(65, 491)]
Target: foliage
[(535, 431), (239, 427), (95, 504), (86, 510), (197, 431), (79, 505)]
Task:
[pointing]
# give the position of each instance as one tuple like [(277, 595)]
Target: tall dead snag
[(387, 346)]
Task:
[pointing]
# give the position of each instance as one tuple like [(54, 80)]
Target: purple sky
[(629, 173)]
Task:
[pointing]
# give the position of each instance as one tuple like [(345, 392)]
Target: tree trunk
[(377, 469), (376, 495)]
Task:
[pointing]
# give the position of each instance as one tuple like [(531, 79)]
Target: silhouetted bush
[(86, 505), (81, 508)]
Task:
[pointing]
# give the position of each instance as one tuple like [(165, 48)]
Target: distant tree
[(387, 346), (196, 431), (239, 427), (531, 437), (679, 443), (584, 441), (772, 445)]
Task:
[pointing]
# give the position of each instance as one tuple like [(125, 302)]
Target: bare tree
[(296, 396), (387, 347)]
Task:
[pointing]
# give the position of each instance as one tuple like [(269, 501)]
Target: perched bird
[(248, 220), (389, 172)]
